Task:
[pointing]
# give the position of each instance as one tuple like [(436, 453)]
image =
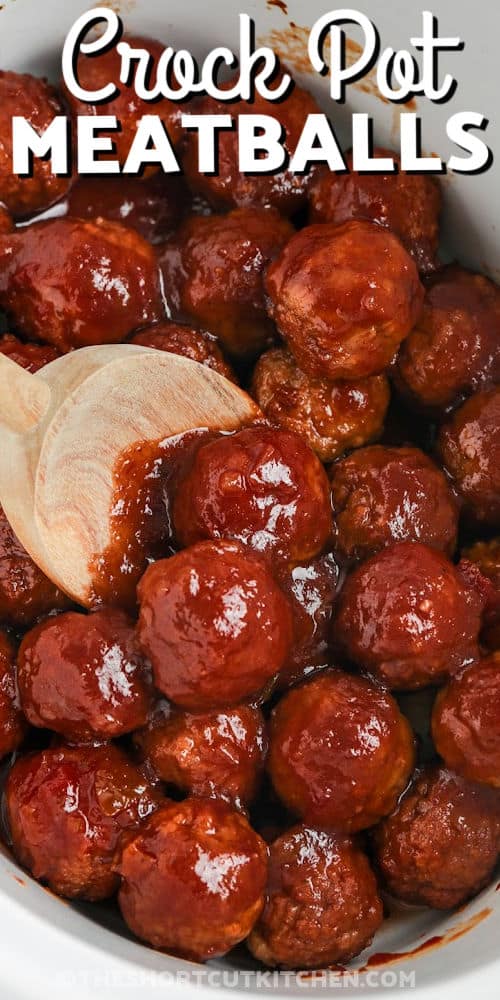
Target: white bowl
[(51, 948)]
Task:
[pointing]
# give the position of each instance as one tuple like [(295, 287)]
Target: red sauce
[(436, 941)]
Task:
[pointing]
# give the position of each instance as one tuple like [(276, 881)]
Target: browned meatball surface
[(440, 845), (152, 206), (469, 445), (67, 808), (25, 96), (311, 588), (408, 616), (407, 204), (25, 592), (29, 356), (198, 345), (12, 721), (466, 722), (217, 754), (483, 558), (382, 495), (193, 879), (331, 416), (323, 904), (454, 349), (340, 751), (213, 269), (344, 297)]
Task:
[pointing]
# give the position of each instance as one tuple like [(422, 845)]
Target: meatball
[(193, 879), (407, 204), (214, 624), (340, 751), (409, 617), (455, 347), (469, 445), (153, 207), (331, 416), (27, 97), (311, 589), (344, 297), (198, 345), (67, 808), (228, 188), (263, 487), (217, 754), (213, 274), (6, 220), (481, 561), (83, 677), (323, 904), (440, 845), (466, 722), (29, 356), (12, 722), (96, 71), (76, 283), (25, 593), (382, 495)]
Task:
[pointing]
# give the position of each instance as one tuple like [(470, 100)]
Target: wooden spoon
[(64, 429)]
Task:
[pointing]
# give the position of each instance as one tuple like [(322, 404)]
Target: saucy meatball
[(29, 356), (12, 722), (153, 207), (466, 722), (228, 187), (97, 71), (198, 345), (213, 274), (311, 589), (344, 297), (216, 754), (25, 592), (67, 808), (6, 220), (214, 624), (483, 559), (407, 204), (382, 495), (331, 416), (83, 677), (440, 845), (263, 487), (469, 445), (455, 347), (323, 904), (193, 879), (409, 617), (340, 751), (75, 283), (27, 97)]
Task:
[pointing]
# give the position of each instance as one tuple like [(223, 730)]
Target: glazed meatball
[(25, 593), (76, 283), (344, 297), (12, 722), (29, 356), (216, 754), (67, 808), (213, 274), (454, 349), (27, 97), (440, 845), (409, 617), (323, 904), (214, 624), (193, 879), (83, 677), (466, 722), (198, 345), (153, 207), (331, 416), (340, 751), (481, 561), (6, 220), (382, 495), (96, 71), (228, 188), (263, 487), (407, 204), (311, 589), (469, 445)]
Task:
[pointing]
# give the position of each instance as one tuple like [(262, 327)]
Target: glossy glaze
[(29, 356), (12, 723), (311, 589), (484, 558), (198, 345), (469, 445), (25, 593), (466, 722), (152, 206)]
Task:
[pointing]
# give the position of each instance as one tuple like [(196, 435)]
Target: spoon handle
[(23, 397)]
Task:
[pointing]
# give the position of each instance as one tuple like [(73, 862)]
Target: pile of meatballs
[(228, 756)]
